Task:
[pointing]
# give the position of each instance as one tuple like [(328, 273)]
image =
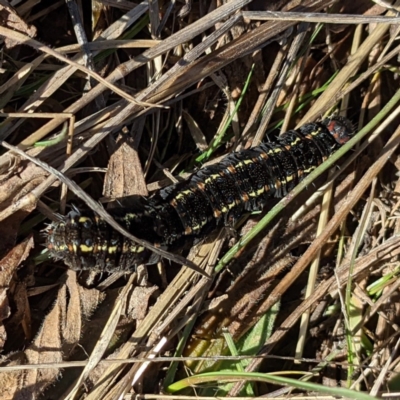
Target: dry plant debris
[(125, 98)]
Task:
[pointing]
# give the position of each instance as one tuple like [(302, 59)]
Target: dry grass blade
[(346, 73), (319, 17), (165, 301)]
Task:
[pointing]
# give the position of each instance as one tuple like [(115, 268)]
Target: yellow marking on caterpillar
[(129, 216), (275, 150), (316, 132), (289, 178), (232, 205), (86, 249), (137, 249), (112, 249), (295, 141), (183, 194), (211, 178)]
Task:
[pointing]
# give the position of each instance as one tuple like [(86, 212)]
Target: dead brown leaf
[(19, 184), (10, 19), (124, 175), (71, 322), (8, 266), (139, 301), (46, 348), (90, 300)]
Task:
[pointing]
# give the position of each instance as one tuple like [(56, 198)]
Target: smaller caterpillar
[(213, 196)]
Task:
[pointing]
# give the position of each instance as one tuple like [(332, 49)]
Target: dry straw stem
[(291, 56), (16, 81), (203, 257), (314, 268), (133, 360), (312, 251), (159, 312), (111, 44), (264, 93), (346, 73), (318, 17)]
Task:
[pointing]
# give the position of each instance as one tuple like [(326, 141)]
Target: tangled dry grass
[(123, 98)]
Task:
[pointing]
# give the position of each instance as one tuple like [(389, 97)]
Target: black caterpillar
[(214, 195)]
